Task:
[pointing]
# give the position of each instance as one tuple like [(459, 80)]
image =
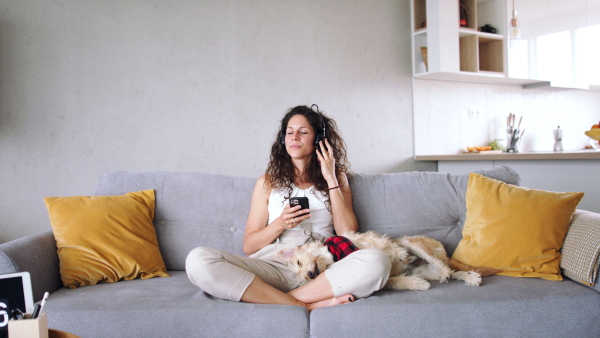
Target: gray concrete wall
[(89, 86)]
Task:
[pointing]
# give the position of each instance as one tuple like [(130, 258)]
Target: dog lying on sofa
[(415, 259)]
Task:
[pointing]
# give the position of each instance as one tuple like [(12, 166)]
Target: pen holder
[(29, 328)]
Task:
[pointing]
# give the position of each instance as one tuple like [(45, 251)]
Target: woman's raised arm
[(340, 194), (344, 219)]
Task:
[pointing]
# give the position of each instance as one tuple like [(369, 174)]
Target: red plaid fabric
[(340, 247)]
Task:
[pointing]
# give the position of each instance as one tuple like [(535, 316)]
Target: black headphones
[(319, 136)]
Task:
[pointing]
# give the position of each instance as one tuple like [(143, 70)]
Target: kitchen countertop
[(550, 155)]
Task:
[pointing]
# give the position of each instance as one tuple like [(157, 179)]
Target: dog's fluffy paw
[(471, 277), (418, 283), (404, 282)]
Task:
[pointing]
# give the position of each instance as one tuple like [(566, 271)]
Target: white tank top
[(319, 226)]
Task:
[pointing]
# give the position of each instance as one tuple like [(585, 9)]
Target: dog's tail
[(483, 271)]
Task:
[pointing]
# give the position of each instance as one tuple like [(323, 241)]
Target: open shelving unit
[(455, 50), (481, 53)]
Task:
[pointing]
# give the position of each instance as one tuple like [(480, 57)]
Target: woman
[(308, 159)]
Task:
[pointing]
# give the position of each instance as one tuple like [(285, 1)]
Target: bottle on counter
[(558, 146)]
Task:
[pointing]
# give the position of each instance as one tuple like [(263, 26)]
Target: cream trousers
[(227, 276)]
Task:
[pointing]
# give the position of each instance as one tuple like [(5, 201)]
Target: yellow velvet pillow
[(105, 238), (515, 229)]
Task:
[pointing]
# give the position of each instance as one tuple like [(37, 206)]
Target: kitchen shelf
[(471, 13), (420, 15), (456, 49), (479, 77)]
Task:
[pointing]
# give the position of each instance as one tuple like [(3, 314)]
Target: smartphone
[(301, 201)]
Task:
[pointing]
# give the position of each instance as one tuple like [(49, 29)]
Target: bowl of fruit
[(594, 135)]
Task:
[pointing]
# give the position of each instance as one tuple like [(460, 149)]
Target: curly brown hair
[(281, 173)]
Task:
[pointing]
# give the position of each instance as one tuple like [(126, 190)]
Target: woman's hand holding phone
[(294, 212)]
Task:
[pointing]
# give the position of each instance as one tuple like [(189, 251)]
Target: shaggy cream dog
[(415, 260)]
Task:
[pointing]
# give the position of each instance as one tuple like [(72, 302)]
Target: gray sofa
[(200, 209)]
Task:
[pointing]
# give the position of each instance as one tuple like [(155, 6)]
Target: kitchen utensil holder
[(512, 142)]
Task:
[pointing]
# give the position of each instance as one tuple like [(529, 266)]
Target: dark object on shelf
[(463, 15), (424, 24), (487, 29)]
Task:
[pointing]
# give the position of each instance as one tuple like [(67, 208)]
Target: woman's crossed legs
[(236, 278)]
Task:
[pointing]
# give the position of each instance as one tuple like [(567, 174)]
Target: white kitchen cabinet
[(559, 42), (454, 52)]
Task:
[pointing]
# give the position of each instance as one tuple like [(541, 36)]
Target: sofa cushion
[(192, 209), (581, 249), (105, 238), (501, 307), (417, 203), (167, 307), (517, 230)]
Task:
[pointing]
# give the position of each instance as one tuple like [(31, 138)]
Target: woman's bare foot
[(348, 298)]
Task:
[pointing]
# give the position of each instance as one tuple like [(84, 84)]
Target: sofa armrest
[(36, 254), (581, 249)]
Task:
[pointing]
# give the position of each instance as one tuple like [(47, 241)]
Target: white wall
[(443, 125), (90, 86)]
